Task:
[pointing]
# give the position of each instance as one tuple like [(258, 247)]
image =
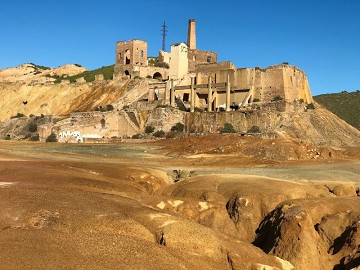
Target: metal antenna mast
[(164, 31)]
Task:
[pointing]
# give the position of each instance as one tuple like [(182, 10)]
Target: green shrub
[(310, 106), (34, 138), (18, 115), (136, 136), (256, 100), (278, 98), (149, 129), (32, 127), (51, 137), (228, 128), (179, 127), (254, 129), (109, 107), (7, 137), (180, 105), (159, 134)]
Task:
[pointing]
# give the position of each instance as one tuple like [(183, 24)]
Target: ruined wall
[(165, 118), (129, 54), (81, 127), (288, 82), (212, 122), (196, 57)]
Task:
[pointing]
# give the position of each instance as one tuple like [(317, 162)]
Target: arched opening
[(126, 72), (141, 53), (127, 57), (103, 123), (157, 75)]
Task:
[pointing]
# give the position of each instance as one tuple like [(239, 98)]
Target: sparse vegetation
[(32, 127), (254, 129), (310, 106), (149, 129), (136, 136), (178, 127), (7, 137), (277, 98), (109, 107), (18, 115), (345, 105), (180, 105), (89, 75), (256, 100), (34, 138), (155, 63), (228, 128), (51, 137), (159, 134)]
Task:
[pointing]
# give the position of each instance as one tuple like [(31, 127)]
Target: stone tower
[(129, 55), (191, 42)]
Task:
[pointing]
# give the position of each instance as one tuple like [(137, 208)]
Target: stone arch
[(157, 75)]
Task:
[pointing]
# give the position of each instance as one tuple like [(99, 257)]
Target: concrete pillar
[(228, 93), (191, 42), (209, 94), (172, 94), (192, 96)]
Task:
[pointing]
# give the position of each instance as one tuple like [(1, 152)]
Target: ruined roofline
[(131, 40), (277, 66)]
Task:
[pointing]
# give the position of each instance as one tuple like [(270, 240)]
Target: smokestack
[(191, 42)]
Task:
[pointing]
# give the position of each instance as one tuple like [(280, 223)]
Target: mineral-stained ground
[(211, 202)]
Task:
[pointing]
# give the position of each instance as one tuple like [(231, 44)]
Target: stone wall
[(212, 122), (165, 118), (196, 57), (82, 127)]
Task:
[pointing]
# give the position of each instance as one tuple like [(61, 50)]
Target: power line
[(164, 31)]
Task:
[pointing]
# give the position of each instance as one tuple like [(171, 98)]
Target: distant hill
[(345, 105)]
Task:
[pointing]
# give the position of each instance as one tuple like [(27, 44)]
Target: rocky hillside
[(345, 105), (31, 73)]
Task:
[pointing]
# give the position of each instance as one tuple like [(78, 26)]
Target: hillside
[(345, 105)]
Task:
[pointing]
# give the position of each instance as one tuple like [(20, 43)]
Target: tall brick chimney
[(191, 42)]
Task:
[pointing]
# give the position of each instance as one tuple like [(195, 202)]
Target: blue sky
[(321, 37)]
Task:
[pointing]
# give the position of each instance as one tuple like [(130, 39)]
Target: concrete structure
[(178, 61)]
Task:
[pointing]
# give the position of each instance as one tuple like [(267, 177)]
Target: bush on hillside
[(179, 127), (159, 134), (254, 129), (51, 137), (149, 129), (228, 128), (32, 127)]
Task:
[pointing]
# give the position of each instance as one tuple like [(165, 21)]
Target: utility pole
[(164, 31)]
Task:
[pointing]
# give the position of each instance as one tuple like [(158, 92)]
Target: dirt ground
[(212, 202)]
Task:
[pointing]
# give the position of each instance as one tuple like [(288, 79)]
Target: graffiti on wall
[(70, 136)]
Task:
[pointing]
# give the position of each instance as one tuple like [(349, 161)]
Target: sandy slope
[(118, 207)]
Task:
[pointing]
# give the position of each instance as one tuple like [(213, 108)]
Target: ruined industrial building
[(209, 93)]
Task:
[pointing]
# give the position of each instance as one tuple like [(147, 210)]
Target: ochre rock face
[(57, 99)]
